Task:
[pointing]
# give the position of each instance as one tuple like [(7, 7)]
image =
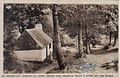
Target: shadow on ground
[(103, 51), (110, 65)]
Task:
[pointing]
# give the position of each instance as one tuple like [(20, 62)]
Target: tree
[(80, 41), (112, 24), (85, 22), (56, 42), (87, 39)]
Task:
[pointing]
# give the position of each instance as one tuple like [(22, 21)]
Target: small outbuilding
[(34, 45)]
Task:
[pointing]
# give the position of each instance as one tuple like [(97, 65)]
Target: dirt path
[(97, 58)]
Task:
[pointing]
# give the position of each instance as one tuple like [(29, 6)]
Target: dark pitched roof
[(39, 36)]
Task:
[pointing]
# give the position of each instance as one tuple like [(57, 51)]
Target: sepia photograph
[(60, 38)]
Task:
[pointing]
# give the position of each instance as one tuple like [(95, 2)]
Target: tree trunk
[(87, 40), (56, 40), (110, 37), (115, 38), (80, 43)]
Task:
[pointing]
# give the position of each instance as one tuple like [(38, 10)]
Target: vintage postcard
[(54, 39)]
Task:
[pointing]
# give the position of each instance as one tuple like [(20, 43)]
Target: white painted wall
[(30, 55), (34, 55), (43, 54)]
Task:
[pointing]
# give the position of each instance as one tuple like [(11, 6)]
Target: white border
[(45, 2)]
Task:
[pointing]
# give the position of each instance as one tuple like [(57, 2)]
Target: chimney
[(47, 21), (38, 26)]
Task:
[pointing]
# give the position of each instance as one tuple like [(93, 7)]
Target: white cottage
[(34, 45)]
